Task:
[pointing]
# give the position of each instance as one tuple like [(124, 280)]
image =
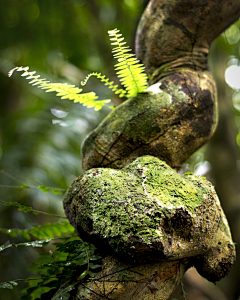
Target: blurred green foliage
[(40, 135)]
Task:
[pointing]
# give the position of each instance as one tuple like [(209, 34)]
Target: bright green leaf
[(83, 275), (56, 191), (43, 188), (24, 186)]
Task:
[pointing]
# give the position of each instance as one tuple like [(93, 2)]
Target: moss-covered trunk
[(150, 223)]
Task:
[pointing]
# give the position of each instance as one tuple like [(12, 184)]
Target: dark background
[(40, 134)]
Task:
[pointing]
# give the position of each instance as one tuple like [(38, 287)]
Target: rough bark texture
[(120, 280), (173, 119), (145, 211), (170, 121), (178, 33)]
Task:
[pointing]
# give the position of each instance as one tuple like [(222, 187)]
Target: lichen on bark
[(170, 121), (147, 218), (145, 211), (146, 214)]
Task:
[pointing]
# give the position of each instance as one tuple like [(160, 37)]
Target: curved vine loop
[(138, 141)]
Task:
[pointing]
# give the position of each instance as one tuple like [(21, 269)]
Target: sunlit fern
[(107, 82), (64, 90), (130, 72)]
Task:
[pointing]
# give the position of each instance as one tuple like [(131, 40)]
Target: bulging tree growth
[(148, 223), (134, 205)]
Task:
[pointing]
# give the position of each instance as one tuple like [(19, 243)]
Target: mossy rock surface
[(145, 210)]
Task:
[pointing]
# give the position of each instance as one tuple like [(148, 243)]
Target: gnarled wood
[(170, 121)]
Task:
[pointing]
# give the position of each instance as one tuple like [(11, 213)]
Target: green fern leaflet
[(64, 90), (131, 73), (107, 82)]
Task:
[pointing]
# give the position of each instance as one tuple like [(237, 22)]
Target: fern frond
[(45, 231), (84, 82), (130, 72), (109, 84), (63, 90)]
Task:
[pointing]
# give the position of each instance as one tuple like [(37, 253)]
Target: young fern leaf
[(130, 72), (109, 84), (63, 90)]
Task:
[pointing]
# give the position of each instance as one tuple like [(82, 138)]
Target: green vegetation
[(134, 80), (55, 268), (129, 70), (40, 136)]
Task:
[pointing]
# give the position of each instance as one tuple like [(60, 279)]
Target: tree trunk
[(153, 223)]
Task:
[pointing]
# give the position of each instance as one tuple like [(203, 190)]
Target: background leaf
[(28, 244), (46, 231)]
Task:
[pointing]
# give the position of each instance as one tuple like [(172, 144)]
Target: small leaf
[(55, 191), (43, 188), (64, 294), (24, 186), (97, 107), (83, 262), (92, 266), (28, 209), (183, 293), (83, 275), (81, 255), (95, 257), (91, 274)]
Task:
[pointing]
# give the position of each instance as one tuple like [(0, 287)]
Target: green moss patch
[(135, 208)]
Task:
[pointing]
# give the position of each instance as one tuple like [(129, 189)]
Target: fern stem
[(29, 187), (38, 211)]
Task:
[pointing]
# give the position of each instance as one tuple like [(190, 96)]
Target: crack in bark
[(187, 33)]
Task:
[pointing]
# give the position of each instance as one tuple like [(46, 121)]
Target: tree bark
[(170, 121)]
